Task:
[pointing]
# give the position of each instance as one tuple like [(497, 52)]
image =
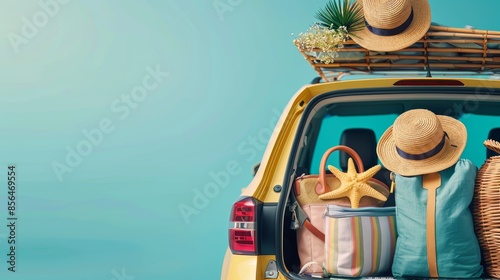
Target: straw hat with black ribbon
[(392, 25), (420, 142)]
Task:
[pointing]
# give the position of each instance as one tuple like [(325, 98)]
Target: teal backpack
[(437, 239)]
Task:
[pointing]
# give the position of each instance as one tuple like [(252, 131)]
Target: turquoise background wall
[(116, 114)]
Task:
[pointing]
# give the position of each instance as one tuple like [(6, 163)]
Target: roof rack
[(442, 51)]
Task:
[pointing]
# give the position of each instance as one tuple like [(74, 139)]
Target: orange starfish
[(354, 185)]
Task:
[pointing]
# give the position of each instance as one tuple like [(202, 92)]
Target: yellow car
[(336, 110), (262, 244)]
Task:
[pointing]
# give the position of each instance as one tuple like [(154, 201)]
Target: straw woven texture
[(486, 210), (441, 48), (307, 184), (391, 14), (418, 131)]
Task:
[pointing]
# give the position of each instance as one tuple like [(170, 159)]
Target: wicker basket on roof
[(441, 49), (486, 210)]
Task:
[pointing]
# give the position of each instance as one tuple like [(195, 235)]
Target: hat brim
[(416, 30), (448, 156)]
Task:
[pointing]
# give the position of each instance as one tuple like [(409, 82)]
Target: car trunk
[(330, 116)]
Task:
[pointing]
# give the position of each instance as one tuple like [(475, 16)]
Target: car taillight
[(429, 82), (243, 227)]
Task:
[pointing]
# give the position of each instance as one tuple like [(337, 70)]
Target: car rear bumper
[(245, 267)]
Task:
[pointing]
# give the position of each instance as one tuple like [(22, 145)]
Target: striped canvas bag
[(359, 242)]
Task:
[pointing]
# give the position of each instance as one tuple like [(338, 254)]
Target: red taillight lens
[(242, 241), (243, 211), (242, 229)]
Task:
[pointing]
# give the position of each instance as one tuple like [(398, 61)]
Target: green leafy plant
[(338, 13), (337, 20)]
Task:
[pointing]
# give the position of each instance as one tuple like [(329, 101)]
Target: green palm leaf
[(339, 13)]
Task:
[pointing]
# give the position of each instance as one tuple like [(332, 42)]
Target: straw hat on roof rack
[(392, 25)]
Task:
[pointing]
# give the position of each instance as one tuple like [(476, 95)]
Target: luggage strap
[(299, 219), (431, 182)]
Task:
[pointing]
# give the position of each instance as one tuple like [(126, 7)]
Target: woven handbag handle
[(321, 187)]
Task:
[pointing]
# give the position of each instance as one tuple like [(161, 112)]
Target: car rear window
[(478, 124), (331, 130)]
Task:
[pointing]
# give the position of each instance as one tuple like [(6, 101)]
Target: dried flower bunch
[(336, 21), (323, 40)]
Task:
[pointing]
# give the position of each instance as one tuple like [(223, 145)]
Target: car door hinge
[(271, 270)]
